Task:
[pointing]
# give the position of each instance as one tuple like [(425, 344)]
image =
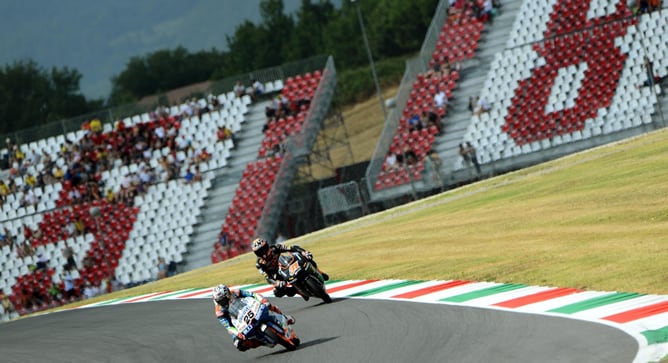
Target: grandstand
[(561, 76), (554, 89), (114, 231)]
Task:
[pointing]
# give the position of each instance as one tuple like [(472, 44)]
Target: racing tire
[(281, 339), (318, 288)]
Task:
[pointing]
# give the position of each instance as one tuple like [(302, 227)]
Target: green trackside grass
[(597, 220)]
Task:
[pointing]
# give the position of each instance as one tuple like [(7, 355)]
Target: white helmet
[(221, 295)]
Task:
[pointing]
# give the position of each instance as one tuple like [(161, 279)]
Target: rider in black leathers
[(267, 265)]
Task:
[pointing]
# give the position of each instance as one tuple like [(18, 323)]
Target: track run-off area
[(369, 320)]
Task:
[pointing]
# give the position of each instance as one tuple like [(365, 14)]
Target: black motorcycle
[(297, 270)]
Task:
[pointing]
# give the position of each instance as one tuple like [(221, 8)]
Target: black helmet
[(260, 247)]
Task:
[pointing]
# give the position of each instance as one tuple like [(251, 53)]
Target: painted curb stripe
[(109, 302), (656, 336), (596, 302), (200, 292), (484, 292), (639, 313), (350, 286), (386, 288), (165, 296), (537, 297), (147, 297), (429, 290)]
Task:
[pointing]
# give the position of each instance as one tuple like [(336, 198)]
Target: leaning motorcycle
[(256, 321), (297, 270)]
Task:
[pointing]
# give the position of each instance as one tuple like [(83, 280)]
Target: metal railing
[(297, 152), (414, 67)]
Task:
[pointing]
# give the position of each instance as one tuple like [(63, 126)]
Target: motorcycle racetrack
[(369, 321)]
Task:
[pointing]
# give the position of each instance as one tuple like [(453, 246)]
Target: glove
[(264, 301), (241, 336), (307, 254), (280, 284)]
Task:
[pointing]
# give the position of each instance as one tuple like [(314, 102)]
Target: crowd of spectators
[(428, 106), (80, 167)]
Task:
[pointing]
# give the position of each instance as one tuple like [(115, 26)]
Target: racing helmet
[(260, 247), (221, 295)]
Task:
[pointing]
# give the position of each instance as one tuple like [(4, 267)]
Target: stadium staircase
[(472, 78), (223, 187)]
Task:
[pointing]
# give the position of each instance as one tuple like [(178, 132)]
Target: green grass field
[(597, 220)]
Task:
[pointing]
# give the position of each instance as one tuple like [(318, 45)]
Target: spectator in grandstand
[(182, 143), (414, 123), (189, 176), (202, 110), (224, 133), (96, 125), (463, 152), (68, 254), (409, 156), (473, 157), (652, 78), (162, 268), (257, 89), (128, 191), (391, 161), (223, 238), (214, 103), (169, 168), (654, 5), (198, 175), (7, 305), (481, 105), (58, 174), (431, 118), (441, 99), (486, 13), (202, 156), (4, 191), (69, 291), (276, 150), (172, 267), (270, 112), (239, 89), (6, 239), (29, 198), (90, 290), (42, 262), (432, 167)]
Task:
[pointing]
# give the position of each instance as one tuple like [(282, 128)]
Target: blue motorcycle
[(257, 322)]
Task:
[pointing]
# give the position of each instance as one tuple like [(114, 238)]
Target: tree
[(162, 71), (32, 96), (308, 35), (394, 25)]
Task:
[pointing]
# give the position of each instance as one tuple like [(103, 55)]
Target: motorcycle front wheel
[(281, 339), (318, 288)]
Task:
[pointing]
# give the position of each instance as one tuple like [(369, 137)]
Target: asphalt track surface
[(347, 330)]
